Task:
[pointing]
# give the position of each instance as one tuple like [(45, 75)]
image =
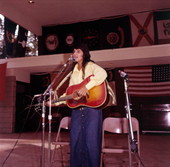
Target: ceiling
[(55, 12)]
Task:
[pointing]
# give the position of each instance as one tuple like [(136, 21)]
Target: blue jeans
[(86, 135)]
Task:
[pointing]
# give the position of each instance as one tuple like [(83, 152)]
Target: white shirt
[(90, 69), (98, 78)]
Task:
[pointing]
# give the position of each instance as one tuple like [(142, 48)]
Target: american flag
[(148, 81)]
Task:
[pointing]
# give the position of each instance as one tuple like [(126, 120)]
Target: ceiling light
[(30, 1)]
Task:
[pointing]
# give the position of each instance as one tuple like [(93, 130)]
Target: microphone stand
[(132, 140), (43, 132), (48, 91)]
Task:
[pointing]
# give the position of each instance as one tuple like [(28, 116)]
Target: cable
[(137, 155)]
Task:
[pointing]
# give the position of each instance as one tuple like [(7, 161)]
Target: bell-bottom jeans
[(86, 135)]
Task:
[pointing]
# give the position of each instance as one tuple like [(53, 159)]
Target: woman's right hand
[(52, 105)]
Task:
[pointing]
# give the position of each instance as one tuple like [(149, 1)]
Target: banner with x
[(145, 30)]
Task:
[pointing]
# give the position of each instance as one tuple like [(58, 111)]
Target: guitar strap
[(112, 98), (64, 80), (61, 83)]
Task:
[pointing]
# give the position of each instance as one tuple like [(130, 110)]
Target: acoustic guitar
[(97, 97)]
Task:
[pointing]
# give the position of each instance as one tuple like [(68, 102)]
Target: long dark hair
[(86, 55)]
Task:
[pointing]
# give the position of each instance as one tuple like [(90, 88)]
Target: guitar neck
[(68, 97)]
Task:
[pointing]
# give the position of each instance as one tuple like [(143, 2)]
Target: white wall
[(110, 59)]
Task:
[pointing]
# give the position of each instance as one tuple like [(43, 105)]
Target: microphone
[(71, 58), (123, 74), (38, 95)]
